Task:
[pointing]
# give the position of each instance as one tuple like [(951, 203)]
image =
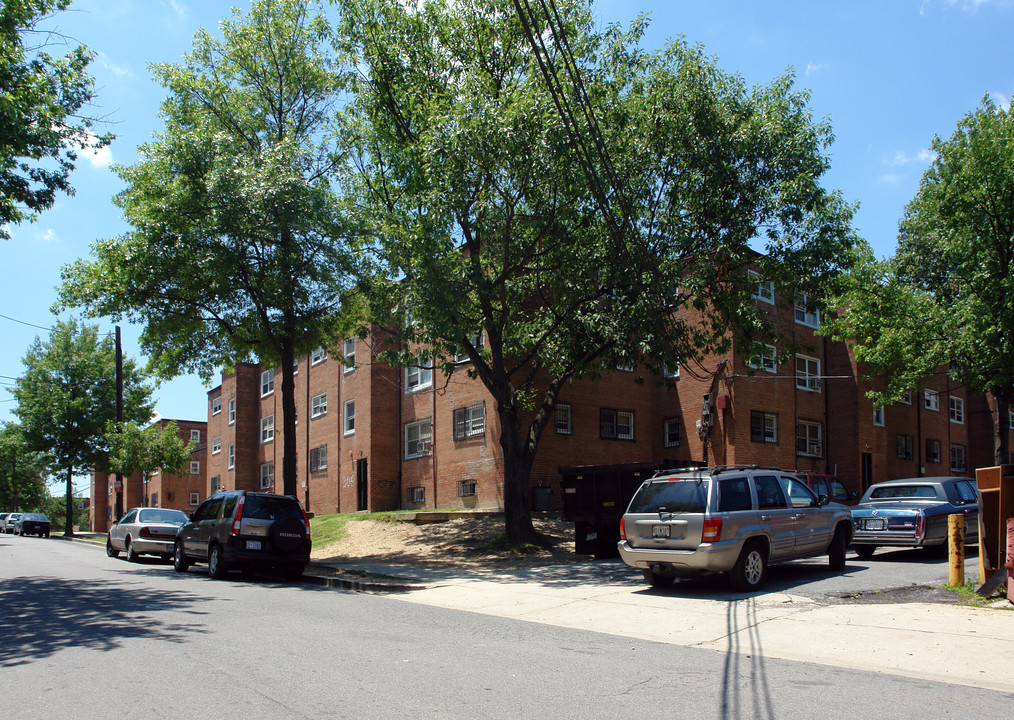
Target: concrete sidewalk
[(933, 641)]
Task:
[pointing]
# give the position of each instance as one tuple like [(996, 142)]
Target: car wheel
[(656, 580), (180, 560), (864, 551), (110, 550), (216, 568), (836, 551), (129, 548), (750, 569)]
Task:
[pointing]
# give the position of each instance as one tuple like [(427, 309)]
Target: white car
[(9, 522), (145, 531)]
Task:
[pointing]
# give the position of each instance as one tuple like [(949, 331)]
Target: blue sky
[(888, 74)]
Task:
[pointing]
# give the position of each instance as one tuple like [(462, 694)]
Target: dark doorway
[(867, 470), (361, 494)]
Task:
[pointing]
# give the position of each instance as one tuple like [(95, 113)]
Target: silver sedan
[(145, 531)]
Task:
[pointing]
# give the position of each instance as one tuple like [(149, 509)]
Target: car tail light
[(712, 531), (623, 528), (920, 525), (145, 532), (306, 521), (237, 519)]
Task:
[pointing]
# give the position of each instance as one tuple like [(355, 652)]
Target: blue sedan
[(913, 513)]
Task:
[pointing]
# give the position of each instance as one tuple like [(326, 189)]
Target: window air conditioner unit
[(423, 447), (709, 400), (418, 494), (814, 449)]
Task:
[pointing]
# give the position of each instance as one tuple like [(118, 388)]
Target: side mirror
[(823, 500), (853, 495)]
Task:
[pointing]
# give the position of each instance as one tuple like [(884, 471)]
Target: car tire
[(129, 549), (287, 535), (836, 550), (864, 551), (656, 580), (110, 550), (180, 560), (750, 569), (216, 566)]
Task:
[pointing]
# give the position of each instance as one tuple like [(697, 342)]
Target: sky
[(887, 74)]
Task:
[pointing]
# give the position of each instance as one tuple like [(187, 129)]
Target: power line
[(22, 322)]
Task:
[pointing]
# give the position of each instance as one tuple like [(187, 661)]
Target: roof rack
[(715, 469)]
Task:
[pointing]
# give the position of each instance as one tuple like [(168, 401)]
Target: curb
[(363, 586)]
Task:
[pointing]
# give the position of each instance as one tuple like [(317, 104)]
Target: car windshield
[(903, 492), (682, 495), (162, 515)]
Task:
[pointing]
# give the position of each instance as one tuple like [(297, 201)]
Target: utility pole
[(118, 511)]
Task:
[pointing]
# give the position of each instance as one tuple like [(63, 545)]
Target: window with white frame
[(267, 475), (957, 410), (466, 488), (232, 410), (267, 382), (195, 499), (349, 426), (418, 437), (318, 356), (231, 461), (616, 424), (806, 313), (350, 354), (318, 405), (318, 458), (807, 373), (878, 416), (763, 427), (906, 447), (672, 434), (216, 405), (764, 290), (216, 484), (808, 439), (563, 420), (462, 355), (671, 370), (906, 398), (216, 445), (195, 435), (195, 467), (418, 375), (958, 462), (469, 421), (764, 359), (931, 400), (267, 428), (932, 451)]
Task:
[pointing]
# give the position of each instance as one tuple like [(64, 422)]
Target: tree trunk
[(68, 530), (1001, 425), (289, 419), (517, 472)]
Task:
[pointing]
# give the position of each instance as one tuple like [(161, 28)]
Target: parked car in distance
[(913, 512), (10, 521), (734, 520), (3, 522), (32, 524), (145, 531), (829, 485), (248, 531)]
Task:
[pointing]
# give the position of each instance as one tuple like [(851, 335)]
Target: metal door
[(361, 488)]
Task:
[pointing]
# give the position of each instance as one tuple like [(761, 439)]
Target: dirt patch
[(909, 594), (473, 543)]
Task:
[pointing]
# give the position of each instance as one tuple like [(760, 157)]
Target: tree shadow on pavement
[(44, 615)]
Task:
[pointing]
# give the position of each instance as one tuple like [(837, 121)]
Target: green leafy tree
[(41, 96), (67, 396), (22, 471), (573, 221), (945, 301), (134, 449), (238, 245)]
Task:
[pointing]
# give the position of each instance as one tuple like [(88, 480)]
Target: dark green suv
[(248, 531)]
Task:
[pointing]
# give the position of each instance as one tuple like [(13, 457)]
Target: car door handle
[(766, 517)]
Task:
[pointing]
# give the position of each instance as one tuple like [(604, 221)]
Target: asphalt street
[(87, 636)]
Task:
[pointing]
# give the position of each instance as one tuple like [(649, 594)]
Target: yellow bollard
[(956, 549)]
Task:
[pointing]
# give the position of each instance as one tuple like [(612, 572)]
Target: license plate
[(875, 524), (253, 544), (660, 531)]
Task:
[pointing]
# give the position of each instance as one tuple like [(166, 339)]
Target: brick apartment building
[(373, 437), (183, 491)]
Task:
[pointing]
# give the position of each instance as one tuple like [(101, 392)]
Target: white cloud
[(889, 178), (179, 8), (98, 157), (1001, 100), (814, 68), (118, 71), (900, 158), (46, 237)]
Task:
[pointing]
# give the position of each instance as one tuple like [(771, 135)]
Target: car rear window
[(156, 515), (259, 507), (682, 496), (900, 492)]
